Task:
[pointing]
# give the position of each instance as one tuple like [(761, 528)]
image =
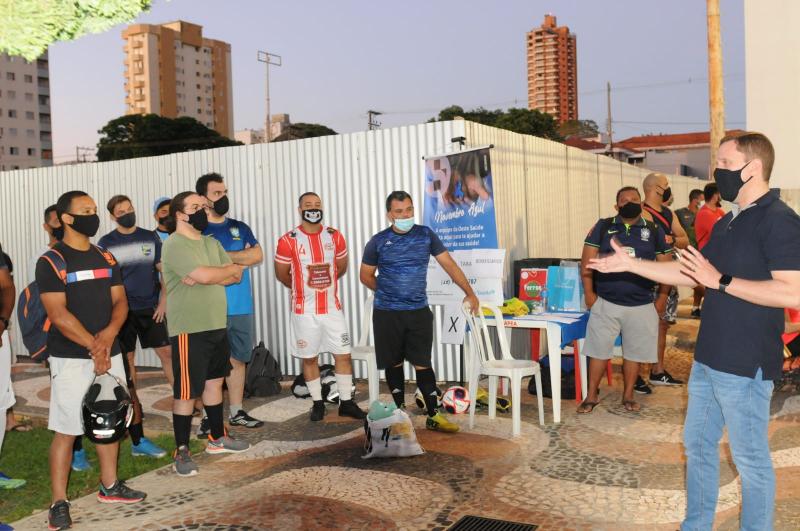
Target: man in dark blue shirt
[(622, 302), (138, 252), (402, 322), (751, 270)]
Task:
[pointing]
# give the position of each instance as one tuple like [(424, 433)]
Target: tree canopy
[(148, 135), (525, 121), (579, 128), (303, 130)]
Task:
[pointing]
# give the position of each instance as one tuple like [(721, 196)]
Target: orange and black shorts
[(199, 357)]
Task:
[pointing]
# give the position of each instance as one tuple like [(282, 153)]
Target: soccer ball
[(456, 400), (420, 400)]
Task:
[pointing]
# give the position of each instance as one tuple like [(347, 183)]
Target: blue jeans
[(718, 399)]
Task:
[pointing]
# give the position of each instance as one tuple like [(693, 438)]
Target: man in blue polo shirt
[(751, 270), (243, 248), (622, 302), (402, 322)]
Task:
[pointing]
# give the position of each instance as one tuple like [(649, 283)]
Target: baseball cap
[(160, 202)]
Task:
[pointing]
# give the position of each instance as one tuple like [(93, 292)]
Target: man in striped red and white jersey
[(309, 261)]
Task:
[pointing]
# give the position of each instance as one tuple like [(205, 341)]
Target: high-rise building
[(553, 70), (172, 70), (25, 131)]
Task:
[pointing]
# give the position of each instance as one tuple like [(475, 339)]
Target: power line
[(640, 122)]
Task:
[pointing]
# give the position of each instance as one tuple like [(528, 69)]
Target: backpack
[(263, 375), (31, 315)]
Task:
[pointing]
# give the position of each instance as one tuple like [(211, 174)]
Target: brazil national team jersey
[(138, 255), (402, 261), (235, 235)]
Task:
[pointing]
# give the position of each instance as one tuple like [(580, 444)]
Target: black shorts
[(403, 335), (199, 357), (140, 324)]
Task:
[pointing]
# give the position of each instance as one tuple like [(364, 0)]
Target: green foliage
[(304, 130), (30, 26), (524, 121), (148, 135), (579, 128), (25, 457)]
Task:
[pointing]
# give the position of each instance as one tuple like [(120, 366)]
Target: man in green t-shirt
[(196, 268)]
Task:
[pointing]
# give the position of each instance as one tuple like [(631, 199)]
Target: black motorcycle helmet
[(106, 410)]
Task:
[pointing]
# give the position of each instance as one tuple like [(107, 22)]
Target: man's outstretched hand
[(617, 262)]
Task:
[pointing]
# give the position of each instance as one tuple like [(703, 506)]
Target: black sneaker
[(243, 419), (641, 387), (348, 408), (317, 411), (58, 516), (119, 492), (664, 378), (695, 314), (203, 430)]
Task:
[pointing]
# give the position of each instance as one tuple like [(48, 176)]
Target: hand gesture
[(617, 262), (695, 265)]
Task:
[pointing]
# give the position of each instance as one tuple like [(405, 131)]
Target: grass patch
[(24, 456)]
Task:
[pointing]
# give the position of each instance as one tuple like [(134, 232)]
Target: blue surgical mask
[(404, 225)]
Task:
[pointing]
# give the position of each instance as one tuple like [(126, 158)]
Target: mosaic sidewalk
[(608, 470)]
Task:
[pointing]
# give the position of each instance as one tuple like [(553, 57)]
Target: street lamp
[(275, 60)]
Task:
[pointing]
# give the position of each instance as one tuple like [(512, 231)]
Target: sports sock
[(181, 426), (426, 381), (234, 409), (315, 389), (77, 446), (344, 382), (136, 432), (215, 420), (396, 380)]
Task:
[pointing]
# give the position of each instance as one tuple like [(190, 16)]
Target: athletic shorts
[(403, 335), (312, 334), (240, 337), (140, 324), (70, 378), (637, 324), (196, 358), (7, 398), (671, 309)]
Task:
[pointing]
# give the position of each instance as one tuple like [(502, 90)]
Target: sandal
[(20, 428), (586, 407), (631, 405)]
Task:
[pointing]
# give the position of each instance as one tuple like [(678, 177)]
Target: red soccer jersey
[(704, 222), (314, 273)]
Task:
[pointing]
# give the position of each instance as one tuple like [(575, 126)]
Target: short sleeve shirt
[(704, 223), (736, 336), (312, 257), (235, 235), (138, 254), (87, 286), (642, 240), (197, 308), (686, 218), (402, 262)]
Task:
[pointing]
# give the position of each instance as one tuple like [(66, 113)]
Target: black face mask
[(667, 194), (86, 225), (163, 221), (221, 205), (630, 210), (312, 215), (58, 232), (199, 220), (730, 182), (127, 220)]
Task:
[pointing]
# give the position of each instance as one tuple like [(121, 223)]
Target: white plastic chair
[(365, 352), (482, 361)]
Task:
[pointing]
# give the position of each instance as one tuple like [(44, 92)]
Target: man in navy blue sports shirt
[(402, 322)]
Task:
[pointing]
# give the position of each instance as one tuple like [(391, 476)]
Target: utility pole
[(716, 96), (608, 121), (84, 150), (275, 60), (372, 123)]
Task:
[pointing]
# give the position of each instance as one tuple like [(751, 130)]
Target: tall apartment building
[(25, 130), (553, 70), (172, 70)]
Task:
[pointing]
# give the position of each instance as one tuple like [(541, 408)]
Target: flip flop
[(582, 409), (631, 405), (20, 428)]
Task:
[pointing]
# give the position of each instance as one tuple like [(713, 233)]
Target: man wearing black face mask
[(751, 270), (241, 245), (161, 215), (87, 307), (138, 252), (622, 303)]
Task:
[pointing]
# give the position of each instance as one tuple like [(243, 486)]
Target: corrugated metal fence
[(547, 196)]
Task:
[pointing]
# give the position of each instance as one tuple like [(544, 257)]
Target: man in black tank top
[(656, 193)]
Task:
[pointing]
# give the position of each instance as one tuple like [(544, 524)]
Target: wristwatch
[(724, 282)]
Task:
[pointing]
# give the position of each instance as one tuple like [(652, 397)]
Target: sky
[(410, 59)]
